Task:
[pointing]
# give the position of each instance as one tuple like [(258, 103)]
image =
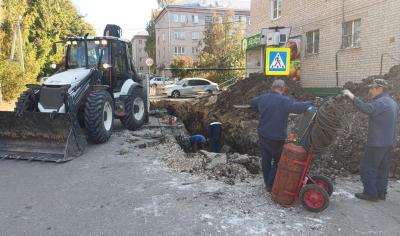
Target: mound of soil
[(245, 90), (348, 147), (240, 125)]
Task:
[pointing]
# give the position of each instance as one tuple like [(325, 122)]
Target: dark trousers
[(271, 151), (374, 170)]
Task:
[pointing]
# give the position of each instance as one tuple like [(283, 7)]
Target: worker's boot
[(382, 196), (364, 196), (268, 189)]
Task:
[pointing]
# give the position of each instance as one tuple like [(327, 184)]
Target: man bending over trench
[(274, 109)]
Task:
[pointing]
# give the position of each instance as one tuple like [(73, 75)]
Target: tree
[(178, 66), (164, 3), (43, 23), (150, 46), (221, 47)]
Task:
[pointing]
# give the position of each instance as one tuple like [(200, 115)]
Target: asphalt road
[(120, 189)]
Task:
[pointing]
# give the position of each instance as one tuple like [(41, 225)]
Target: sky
[(131, 15)]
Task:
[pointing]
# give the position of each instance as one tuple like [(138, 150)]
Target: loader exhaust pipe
[(86, 52)]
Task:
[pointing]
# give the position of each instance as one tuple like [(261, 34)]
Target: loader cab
[(121, 67), (76, 54), (115, 56)]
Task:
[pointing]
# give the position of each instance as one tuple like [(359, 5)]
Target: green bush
[(12, 80)]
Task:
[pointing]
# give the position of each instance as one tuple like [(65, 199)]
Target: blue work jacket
[(274, 110), (382, 114)]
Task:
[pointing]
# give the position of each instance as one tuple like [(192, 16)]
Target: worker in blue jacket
[(382, 113), (274, 109)]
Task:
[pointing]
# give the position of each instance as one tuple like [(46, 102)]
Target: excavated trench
[(339, 134), (229, 167)]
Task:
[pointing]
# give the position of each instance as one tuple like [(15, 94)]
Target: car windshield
[(76, 54)]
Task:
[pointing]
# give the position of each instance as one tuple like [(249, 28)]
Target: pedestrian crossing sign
[(277, 61)]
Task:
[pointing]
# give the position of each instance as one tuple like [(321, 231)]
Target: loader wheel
[(99, 116), (135, 107), (314, 198), (323, 182), (25, 102)]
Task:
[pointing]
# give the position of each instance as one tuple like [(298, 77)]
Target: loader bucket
[(39, 136)]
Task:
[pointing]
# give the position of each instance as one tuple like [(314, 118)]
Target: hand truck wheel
[(314, 198), (322, 181)]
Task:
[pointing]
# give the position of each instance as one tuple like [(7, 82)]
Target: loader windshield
[(76, 56)]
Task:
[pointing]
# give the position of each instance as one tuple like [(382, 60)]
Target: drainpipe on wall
[(169, 33), (337, 68), (169, 37), (391, 57), (337, 52)]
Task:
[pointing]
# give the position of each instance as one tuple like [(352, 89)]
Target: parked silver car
[(190, 87), (160, 81)]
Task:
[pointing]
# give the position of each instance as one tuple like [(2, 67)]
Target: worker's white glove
[(348, 93)]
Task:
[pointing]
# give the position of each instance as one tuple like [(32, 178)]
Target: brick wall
[(380, 33)]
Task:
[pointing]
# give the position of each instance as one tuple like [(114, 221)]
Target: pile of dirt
[(348, 147), (239, 125), (226, 167), (245, 90), (341, 155)]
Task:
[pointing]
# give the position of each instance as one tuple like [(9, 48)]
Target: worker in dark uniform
[(274, 109), (382, 112), (198, 142)]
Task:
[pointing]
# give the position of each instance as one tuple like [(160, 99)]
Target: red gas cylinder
[(288, 177)]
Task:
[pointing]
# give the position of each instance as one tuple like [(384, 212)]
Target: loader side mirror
[(54, 48)]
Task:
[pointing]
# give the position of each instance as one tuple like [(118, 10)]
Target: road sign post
[(277, 61), (149, 62)]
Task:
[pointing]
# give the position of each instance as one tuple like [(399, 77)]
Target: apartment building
[(138, 52), (340, 40), (180, 28)]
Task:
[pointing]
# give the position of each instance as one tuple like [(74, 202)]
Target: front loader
[(95, 84)]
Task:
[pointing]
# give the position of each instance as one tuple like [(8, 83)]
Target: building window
[(179, 50), (276, 9), (140, 50), (140, 59), (208, 19), (238, 19), (179, 18), (163, 37), (195, 19), (180, 35), (351, 34), (195, 35), (140, 41), (195, 50), (141, 68), (218, 19), (312, 42)]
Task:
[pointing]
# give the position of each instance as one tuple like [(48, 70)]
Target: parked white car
[(160, 81), (190, 87)]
